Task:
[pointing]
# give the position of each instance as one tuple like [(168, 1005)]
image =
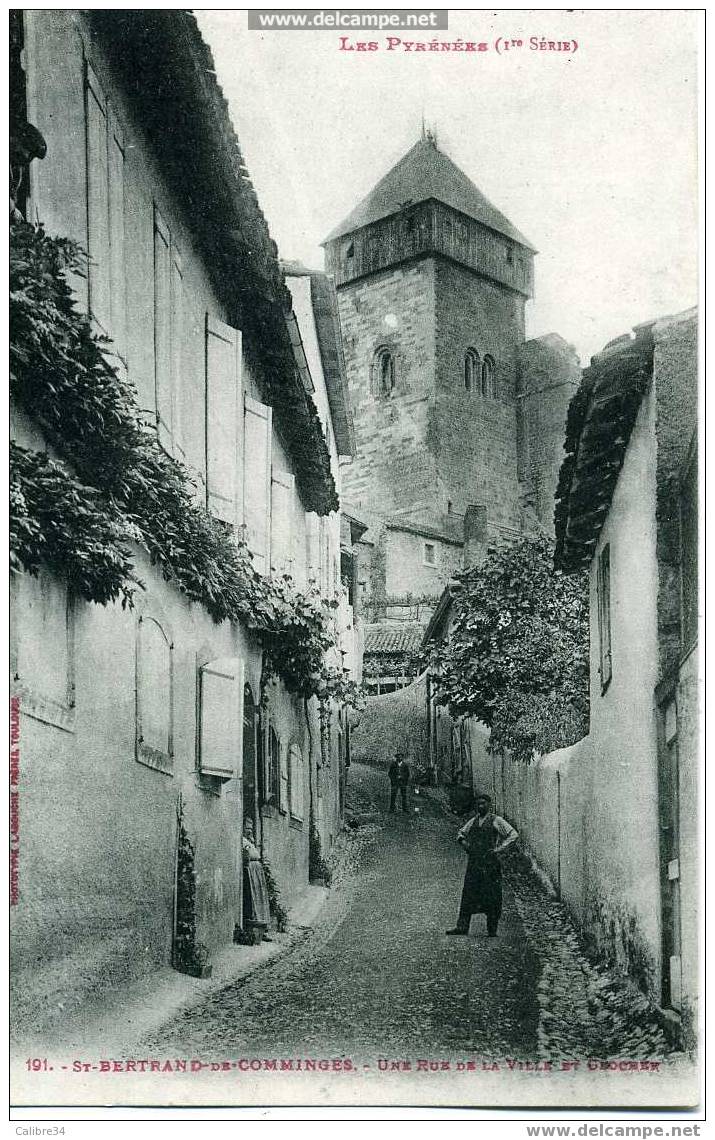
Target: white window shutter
[(221, 718), (297, 778), (284, 791), (258, 423), (118, 284), (177, 351), (312, 545), (299, 542), (222, 403), (282, 491), (98, 243), (324, 556), (162, 331)]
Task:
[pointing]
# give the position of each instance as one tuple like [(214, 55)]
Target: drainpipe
[(558, 833)]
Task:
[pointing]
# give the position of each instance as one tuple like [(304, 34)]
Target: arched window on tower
[(383, 371), (471, 370), (489, 383)]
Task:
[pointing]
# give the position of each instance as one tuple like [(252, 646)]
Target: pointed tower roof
[(426, 172)]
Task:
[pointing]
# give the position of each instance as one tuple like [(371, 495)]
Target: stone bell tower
[(459, 422), (432, 282)]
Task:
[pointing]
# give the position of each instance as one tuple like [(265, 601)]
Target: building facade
[(147, 735), (454, 411), (612, 820)]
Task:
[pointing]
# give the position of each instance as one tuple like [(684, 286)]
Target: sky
[(591, 154)]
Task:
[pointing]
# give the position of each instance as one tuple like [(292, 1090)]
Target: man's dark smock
[(482, 891)]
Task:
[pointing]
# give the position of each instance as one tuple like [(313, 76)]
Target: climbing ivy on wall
[(189, 955), (517, 652), (108, 484)]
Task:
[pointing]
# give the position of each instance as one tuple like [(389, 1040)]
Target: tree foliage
[(517, 653), (113, 485)]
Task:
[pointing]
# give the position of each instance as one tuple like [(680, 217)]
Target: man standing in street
[(399, 776), (485, 836)]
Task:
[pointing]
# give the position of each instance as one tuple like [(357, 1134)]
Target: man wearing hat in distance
[(399, 777), (485, 836)]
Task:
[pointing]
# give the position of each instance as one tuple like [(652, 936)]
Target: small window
[(488, 378), (383, 372), (350, 251), (430, 554), (603, 587), (471, 370)]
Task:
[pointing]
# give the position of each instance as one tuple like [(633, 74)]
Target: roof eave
[(343, 229), (332, 355), (167, 69)]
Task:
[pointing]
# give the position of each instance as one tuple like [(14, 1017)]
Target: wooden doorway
[(250, 752)]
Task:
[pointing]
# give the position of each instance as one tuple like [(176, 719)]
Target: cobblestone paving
[(378, 978), (586, 1010)]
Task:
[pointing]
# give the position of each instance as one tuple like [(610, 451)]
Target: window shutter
[(284, 791), (98, 269), (222, 395), (221, 718), (299, 543), (312, 547), (177, 349), (324, 557), (257, 480), (282, 490), (296, 782), (118, 286), (162, 330)]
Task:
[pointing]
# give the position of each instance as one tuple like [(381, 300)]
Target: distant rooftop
[(383, 639), (426, 172)]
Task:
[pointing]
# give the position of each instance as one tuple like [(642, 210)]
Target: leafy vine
[(109, 483), (517, 652)]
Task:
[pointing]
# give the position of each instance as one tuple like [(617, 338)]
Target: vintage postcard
[(354, 558)]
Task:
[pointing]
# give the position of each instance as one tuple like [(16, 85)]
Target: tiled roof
[(168, 73), (425, 531), (383, 639), (425, 172), (599, 423)]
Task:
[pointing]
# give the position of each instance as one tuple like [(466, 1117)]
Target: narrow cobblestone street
[(378, 978)]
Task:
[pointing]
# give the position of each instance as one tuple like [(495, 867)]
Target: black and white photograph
[(355, 705)]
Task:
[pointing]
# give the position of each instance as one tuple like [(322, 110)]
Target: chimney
[(475, 535)]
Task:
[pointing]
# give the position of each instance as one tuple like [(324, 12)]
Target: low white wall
[(545, 800), (555, 802), (390, 722)]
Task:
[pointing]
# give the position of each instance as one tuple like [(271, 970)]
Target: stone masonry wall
[(392, 470), (549, 374), (676, 393), (474, 435)]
